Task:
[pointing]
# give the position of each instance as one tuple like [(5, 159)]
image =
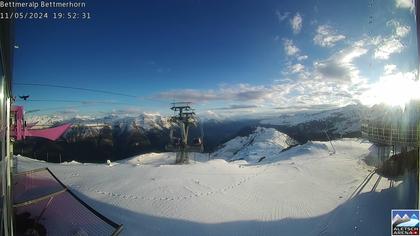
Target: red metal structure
[(19, 129)]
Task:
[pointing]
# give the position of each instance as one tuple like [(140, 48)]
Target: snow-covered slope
[(340, 121), (163, 158), (301, 191), (263, 143)]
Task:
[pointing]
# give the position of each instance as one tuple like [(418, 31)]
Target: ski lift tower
[(183, 119)]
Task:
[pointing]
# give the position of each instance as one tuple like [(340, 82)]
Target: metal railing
[(385, 133)]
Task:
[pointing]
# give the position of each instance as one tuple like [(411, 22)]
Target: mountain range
[(96, 139)]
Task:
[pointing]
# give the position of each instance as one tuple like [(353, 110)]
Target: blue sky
[(228, 57)]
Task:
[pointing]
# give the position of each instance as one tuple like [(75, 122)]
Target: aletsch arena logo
[(405, 222)]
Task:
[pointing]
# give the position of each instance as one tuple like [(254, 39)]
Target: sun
[(395, 90)]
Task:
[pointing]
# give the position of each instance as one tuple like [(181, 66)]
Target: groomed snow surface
[(300, 191)]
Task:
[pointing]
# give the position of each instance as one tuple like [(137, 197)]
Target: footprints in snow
[(168, 198)]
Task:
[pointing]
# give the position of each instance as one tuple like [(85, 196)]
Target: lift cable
[(75, 88), (86, 102)]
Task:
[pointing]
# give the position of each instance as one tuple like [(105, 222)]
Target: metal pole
[(9, 163), (330, 142), (4, 118), (417, 7)]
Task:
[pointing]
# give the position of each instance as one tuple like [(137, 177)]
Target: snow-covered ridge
[(146, 121), (261, 144), (344, 120)]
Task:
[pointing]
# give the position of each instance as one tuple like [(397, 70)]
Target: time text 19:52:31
[(45, 15)]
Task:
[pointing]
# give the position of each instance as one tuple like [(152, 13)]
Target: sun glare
[(395, 90)]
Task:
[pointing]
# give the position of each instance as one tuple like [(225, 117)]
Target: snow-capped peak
[(406, 217), (262, 143), (146, 121), (396, 218), (342, 120)]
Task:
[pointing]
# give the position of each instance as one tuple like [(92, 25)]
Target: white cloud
[(402, 31), (296, 68), (376, 40), (399, 29), (239, 92), (299, 92), (326, 36), (236, 107), (309, 92), (334, 81), (340, 66), (290, 48), (405, 4), (350, 53), (282, 16), (389, 69), (301, 58), (387, 47), (296, 23), (209, 114)]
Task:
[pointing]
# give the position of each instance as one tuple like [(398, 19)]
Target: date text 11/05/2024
[(45, 15)]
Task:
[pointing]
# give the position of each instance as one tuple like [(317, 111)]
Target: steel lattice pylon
[(183, 119)]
